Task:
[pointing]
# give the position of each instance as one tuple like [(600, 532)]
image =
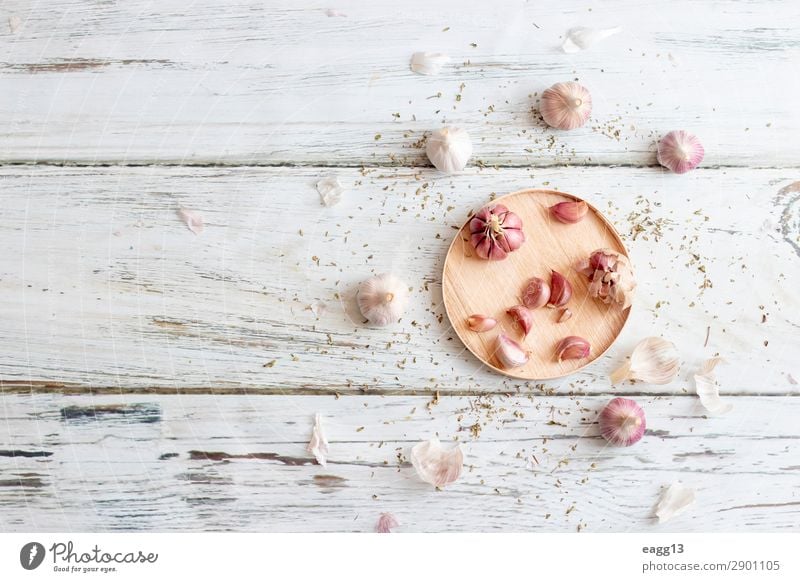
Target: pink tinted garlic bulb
[(680, 151), (495, 231), (622, 422), (566, 105)]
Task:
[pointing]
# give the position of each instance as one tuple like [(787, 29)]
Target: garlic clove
[(622, 422), (510, 353), (560, 290), (435, 464), (386, 522), (495, 231), (382, 299), (318, 445), (654, 360), (572, 347), (610, 277), (674, 500), (566, 105), (569, 212), (330, 191), (522, 317), (536, 293), (481, 323), (424, 63), (680, 151), (449, 149), (581, 38), (192, 219), (566, 314), (707, 389)]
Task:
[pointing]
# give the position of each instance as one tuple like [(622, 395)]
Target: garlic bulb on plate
[(610, 277), (382, 299), (654, 360), (680, 151), (495, 232), (435, 464), (566, 105), (449, 149)]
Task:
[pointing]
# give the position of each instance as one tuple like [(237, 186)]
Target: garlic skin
[(481, 323), (654, 360), (435, 464), (572, 347), (386, 521), (509, 353), (318, 445), (581, 38), (536, 293), (622, 422), (610, 277), (705, 384), (566, 105), (522, 317), (424, 63), (382, 299), (192, 219), (330, 191), (449, 149), (680, 151), (566, 314), (560, 290), (569, 212), (674, 500), (495, 231)]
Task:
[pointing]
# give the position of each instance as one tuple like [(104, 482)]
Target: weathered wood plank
[(104, 287), (536, 464), (271, 83)]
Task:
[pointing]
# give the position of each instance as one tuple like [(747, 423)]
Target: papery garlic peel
[(382, 299), (435, 464), (622, 422), (424, 63), (566, 105), (386, 522), (610, 276), (495, 232), (581, 38), (676, 499), (705, 383), (318, 445), (654, 360)]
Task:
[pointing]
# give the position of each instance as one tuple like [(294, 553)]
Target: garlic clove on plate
[(382, 299), (449, 149), (435, 464), (610, 275), (560, 290), (572, 347), (566, 105), (705, 383), (536, 293), (424, 63), (654, 360), (510, 353), (481, 323), (674, 500), (570, 211), (680, 151), (523, 318), (622, 422), (318, 445), (581, 37)]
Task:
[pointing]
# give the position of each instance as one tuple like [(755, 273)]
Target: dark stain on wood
[(329, 481), (28, 482), (76, 64), (221, 456), (168, 323), (28, 454), (706, 453), (205, 479), (166, 456), (145, 413)]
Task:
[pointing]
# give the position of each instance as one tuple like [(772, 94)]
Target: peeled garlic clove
[(318, 445), (654, 360), (560, 290), (622, 422), (510, 353), (572, 347), (382, 299), (610, 277), (435, 464), (674, 501), (449, 149), (481, 323), (495, 231), (536, 293), (522, 317), (566, 105), (569, 212), (386, 522), (581, 38), (680, 151), (428, 63), (706, 387)]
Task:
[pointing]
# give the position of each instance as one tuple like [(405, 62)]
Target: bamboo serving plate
[(473, 285)]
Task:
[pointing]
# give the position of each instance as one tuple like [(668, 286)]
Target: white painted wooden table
[(157, 380)]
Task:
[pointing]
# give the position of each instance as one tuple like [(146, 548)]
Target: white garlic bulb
[(566, 105), (654, 360), (382, 299), (449, 149)]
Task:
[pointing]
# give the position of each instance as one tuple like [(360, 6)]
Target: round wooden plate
[(473, 285)]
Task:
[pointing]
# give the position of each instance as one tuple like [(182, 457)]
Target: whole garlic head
[(382, 299), (449, 149), (566, 105)]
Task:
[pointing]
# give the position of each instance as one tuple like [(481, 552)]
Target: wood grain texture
[(104, 287), (537, 464), (472, 285), (272, 83)]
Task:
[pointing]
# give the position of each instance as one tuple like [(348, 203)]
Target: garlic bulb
[(386, 521), (449, 149), (581, 38), (622, 422), (509, 353), (680, 151), (318, 445), (674, 500), (428, 63), (654, 360), (706, 387), (566, 105), (523, 318), (495, 231), (435, 464), (382, 299), (610, 277)]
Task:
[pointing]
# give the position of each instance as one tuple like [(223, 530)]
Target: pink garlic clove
[(572, 348), (509, 353), (481, 323), (560, 290), (536, 293), (622, 422), (522, 317), (569, 212), (565, 315), (680, 151)]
